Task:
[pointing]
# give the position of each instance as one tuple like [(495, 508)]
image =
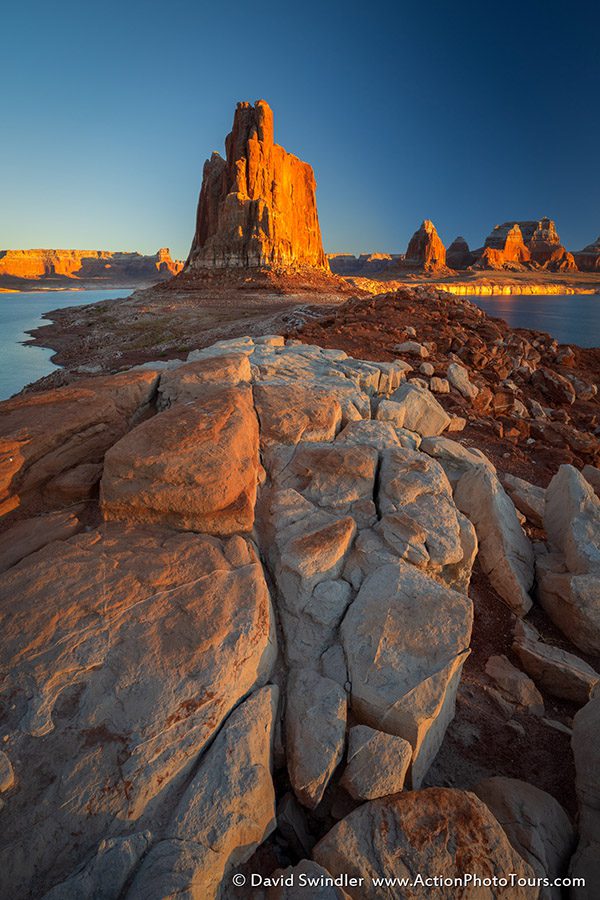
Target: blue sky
[(466, 113)]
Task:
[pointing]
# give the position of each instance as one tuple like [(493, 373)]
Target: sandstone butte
[(425, 250), (20, 269), (257, 207)]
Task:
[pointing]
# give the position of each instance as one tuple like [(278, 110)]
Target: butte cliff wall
[(257, 207)]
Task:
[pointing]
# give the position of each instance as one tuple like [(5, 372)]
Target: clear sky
[(466, 113)]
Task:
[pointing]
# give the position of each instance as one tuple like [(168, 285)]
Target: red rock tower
[(425, 249), (257, 207)]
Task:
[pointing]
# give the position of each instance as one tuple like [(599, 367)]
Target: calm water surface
[(571, 319), (19, 314)]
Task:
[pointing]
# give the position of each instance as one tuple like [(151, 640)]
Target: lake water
[(19, 314), (571, 318)]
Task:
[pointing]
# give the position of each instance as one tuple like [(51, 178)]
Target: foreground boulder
[(258, 206), (139, 643), (315, 732), (454, 458), (189, 382), (227, 810), (377, 763), (535, 824), (105, 875), (437, 831), (505, 552), (44, 435), (572, 521), (515, 685), (290, 413), (586, 750), (400, 683), (528, 498), (569, 574), (418, 410), (419, 520), (194, 466), (557, 671)]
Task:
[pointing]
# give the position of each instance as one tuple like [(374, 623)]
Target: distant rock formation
[(257, 207), (588, 259), (530, 244), (368, 265), (544, 244), (458, 255), (504, 248), (28, 269), (425, 249)]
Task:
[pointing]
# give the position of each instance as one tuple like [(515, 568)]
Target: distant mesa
[(257, 207), (367, 265), (588, 259), (29, 269), (525, 245), (425, 251)]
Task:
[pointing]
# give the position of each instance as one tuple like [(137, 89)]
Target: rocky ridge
[(268, 529), (22, 270), (520, 247)]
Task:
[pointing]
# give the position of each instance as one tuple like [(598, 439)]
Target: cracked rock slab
[(406, 638), (377, 763), (47, 433), (557, 671), (139, 643), (505, 551), (315, 724), (227, 810), (193, 467)]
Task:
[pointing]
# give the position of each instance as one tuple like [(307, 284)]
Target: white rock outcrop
[(505, 552)]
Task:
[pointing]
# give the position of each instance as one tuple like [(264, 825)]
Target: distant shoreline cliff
[(40, 269)]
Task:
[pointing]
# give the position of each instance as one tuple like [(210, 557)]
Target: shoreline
[(516, 290), (76, 290), (479, 288)]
